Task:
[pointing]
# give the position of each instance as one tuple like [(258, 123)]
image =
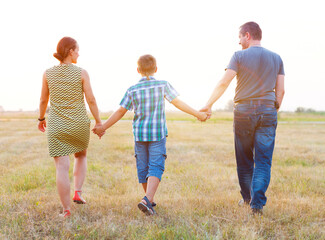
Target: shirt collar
[(145, 79)]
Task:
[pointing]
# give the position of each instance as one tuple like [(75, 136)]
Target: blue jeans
[(150, 157), (254, 129)]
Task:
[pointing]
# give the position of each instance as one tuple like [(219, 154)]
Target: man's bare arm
[(279, 89)]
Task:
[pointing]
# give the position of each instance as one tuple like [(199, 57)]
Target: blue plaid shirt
[(147, 99)]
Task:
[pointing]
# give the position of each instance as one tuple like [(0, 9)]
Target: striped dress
[(68, 127)]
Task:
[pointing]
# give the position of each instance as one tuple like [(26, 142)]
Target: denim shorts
[(150, 157)]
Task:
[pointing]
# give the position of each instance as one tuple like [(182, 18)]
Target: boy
[(149, 126)]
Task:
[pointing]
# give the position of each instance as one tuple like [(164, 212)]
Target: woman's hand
[(99, 130), (42, 125)]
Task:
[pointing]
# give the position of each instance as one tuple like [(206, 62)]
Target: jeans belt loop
[(257, 102)]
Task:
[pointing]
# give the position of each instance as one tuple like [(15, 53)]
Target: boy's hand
[(98, 129), (202, 116), (208, 110), (101, 134)]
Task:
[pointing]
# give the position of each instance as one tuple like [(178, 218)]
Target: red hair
[(63, 48)]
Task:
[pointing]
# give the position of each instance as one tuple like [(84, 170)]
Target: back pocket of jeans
[(269, 119), (242, 124)]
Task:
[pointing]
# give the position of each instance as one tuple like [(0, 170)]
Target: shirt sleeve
[(281, 69), (233, 64), (170, 93), (126, 101)]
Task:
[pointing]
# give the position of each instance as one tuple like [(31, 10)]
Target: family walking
[(259, 93)]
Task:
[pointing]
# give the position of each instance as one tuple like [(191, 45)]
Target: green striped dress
[(68, 123)]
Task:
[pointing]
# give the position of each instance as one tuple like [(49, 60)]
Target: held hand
[(42, 125), (202, 116), (101, 134), (208, 110), (98, 129)]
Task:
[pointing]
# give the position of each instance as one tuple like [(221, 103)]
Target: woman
[(68, 123)]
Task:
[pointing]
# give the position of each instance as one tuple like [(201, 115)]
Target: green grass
[(197, 198), (302, 117)]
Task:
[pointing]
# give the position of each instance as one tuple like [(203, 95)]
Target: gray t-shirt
[(257, 70)]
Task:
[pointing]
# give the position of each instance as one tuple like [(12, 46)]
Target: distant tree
[(300, 110), (305, 110), (229, 106), (310, 110)]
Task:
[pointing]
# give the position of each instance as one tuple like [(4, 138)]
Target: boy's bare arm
[(116, 116), (186, 108)]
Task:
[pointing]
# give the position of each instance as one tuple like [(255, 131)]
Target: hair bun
[(63, 48), (58, 56)]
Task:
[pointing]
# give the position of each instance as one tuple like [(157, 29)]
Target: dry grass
[(197, 198)]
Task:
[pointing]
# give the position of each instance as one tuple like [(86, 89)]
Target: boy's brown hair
[(147, 65)]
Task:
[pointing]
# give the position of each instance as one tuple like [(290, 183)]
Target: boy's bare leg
[(152, 186), (144, 185)]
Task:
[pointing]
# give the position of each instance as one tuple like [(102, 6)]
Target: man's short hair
[(253, 28)]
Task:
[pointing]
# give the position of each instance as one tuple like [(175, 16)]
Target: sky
[(192, 41)]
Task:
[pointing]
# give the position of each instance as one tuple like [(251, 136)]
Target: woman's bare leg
[(80, 169), (62, 180)]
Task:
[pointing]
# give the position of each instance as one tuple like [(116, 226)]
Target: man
[(259, 94)]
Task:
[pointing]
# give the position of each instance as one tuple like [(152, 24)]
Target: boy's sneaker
[(243, 202)]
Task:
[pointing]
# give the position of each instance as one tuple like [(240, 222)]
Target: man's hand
[(207, 110), (203, 116)]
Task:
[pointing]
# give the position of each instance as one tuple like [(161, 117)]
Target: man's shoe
[(243, 202), (257, 211)]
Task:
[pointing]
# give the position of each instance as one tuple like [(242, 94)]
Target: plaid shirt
[(147, 99)]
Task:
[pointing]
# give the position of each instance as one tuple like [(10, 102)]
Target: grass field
[(197, 198)]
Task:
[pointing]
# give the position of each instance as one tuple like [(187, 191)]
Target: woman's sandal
[(146, 208), (78, 199), (65, 214)]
